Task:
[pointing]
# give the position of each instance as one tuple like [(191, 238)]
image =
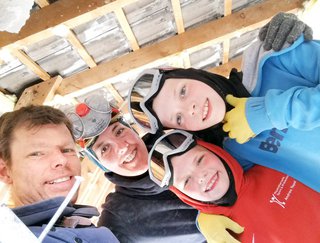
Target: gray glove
[(283, 27)]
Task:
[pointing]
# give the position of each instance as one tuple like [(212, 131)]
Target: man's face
[(122, 151), (44, 163), (200, 174), (188, 104)]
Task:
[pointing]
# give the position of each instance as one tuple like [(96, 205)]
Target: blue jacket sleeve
[(296, 106)]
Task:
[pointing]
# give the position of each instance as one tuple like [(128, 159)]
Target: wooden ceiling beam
[(127, 29), (226, 42), (42, 3), (210, 33), (29, 63), (177, 12), (227, 7), (114, 93), (77, 45), (39, 94)]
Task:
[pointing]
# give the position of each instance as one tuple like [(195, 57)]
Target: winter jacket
[(272, 206), (36, 216), (140, 211), (284, 111)]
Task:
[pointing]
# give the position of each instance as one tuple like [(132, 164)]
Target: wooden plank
[(69, 12), (212, 32), (74, 41), (227, 7), (178, 15), (32, 65), (42, 3), (40, 93), (226, 49), (114, 93), (127, 29), (7, 104)]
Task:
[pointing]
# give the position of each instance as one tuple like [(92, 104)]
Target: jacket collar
[(41, 212)]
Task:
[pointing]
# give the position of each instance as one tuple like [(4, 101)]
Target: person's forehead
[(110, 129), (25, 132), (107, 134)]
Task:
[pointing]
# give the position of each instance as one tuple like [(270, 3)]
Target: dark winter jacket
[(140, 211), (36, 216)]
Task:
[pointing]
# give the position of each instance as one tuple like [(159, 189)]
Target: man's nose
[(59, 159)]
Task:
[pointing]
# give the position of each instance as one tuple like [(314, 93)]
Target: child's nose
[(202, 177), (192, 109)]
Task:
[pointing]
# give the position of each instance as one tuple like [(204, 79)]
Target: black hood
[(222, 85)]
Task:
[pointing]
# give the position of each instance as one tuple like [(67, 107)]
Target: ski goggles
[(173, 143), (144, 88)]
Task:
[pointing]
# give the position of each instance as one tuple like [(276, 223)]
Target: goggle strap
[(93, 158)]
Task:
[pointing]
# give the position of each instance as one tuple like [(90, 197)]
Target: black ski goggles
[(144, 88), (173, 143)]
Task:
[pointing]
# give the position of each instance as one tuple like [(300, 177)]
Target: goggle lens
[(167, 145), (146, 86)]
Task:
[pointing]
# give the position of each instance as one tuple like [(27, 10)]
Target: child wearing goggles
[(269, 204), (278, 109)]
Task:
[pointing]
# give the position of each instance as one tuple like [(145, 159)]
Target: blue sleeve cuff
[(256, 115)]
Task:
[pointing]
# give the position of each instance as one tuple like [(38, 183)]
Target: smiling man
[(38, 160)]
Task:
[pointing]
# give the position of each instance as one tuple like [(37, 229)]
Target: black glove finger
[(296, 31), (263, 32), (272, 30), (308, 33)]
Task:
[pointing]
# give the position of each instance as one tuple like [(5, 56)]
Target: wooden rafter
[(42, 3), (127, 29), (77, 45), (29, 63), (233, 25), (226, 49), (178, 15), (39, 94), (114, 93), (226, 42), (227, 7)]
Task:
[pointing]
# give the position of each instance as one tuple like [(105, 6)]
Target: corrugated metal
[(151, 20)]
